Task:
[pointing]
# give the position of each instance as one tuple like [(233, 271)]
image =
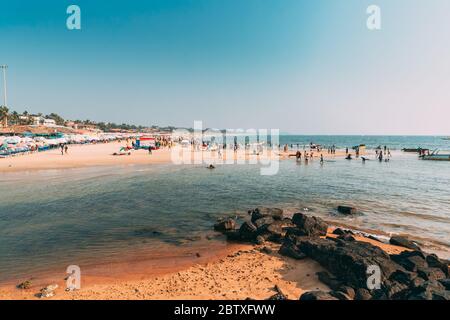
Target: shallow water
[(61, 217)]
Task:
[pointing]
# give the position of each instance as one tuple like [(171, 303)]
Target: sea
[(53, 218)]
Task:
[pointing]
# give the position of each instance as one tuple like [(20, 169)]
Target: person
[(380, 156), (321, 159), (298, 156), (211, 167), (66, 148), (346, 150), (348, 157), (62, 149), (149, 150), (389, 153)]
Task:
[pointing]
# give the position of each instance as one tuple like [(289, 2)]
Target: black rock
[(395, 290), (260, 240), (346, 210), (434, 262), (410, 260), (339, 231), (263, 223), (289, 249), (348, 260), (431, 274), (346, 237), (233, 235), (225, 225), (247, 231), (275, 213), (278, 296), (403, 242), (429, 290), (309, 226), (317, 295)]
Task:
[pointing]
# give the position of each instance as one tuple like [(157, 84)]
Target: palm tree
[(4, 115)]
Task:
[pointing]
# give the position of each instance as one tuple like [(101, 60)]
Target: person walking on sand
[(149, 150), (62, 149), (66, 149)]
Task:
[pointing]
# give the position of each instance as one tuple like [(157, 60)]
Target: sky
[(301, 66)]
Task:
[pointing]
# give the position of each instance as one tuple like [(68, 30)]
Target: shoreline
[(228, 272)]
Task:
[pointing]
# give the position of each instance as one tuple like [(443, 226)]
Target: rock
[(275, 213), (403, 242), (275, 232), (317, 295), (262, 223), (429, 290), (374, 238), (279, 295), (431, 274), (260, 240), (434, 262), (25, 285), (346, 237), (329, 280), (247, 231), (289, 249), (346, 210), (362, 294), (233, 235), (339, 231), (410, 260), (48, 291), (445, 283), (340, 295), (395, 290), (310, 226), (225, 225), (403, 276), (348, 260), (349, 291)]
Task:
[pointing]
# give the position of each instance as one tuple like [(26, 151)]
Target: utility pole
[(5, 99)]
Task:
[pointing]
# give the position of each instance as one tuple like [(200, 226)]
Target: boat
[(415, 150), (435, 155)]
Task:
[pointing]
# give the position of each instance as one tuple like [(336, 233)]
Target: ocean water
[(59, 217)]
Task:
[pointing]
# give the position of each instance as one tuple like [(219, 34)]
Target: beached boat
[(435, 155)]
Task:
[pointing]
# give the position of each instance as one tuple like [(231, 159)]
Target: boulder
[(309, 226), (429, 290), (346, 210), (225, 225), (247, 231), (289, 249), (410, 260), (403, 242), (275, 213), (263, 223), (348, 260), (431, 274), (233, 235), (349, 291), (346, 237), (317, 295), (434, 262), (48, 291)]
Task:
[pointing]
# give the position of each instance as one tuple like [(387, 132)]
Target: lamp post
[(5, 99)]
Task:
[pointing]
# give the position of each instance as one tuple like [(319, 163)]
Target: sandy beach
[(101, 154), (236, 272)]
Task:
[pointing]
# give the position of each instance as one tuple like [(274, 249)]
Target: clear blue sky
[(308, 67)]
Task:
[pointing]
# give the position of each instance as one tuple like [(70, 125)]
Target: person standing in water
[(321, 159)]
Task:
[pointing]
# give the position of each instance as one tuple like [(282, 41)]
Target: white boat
[(435, 155)]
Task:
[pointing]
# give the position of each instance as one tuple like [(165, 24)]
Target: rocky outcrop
[(403, 242), (410, 275), (309, 226)]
